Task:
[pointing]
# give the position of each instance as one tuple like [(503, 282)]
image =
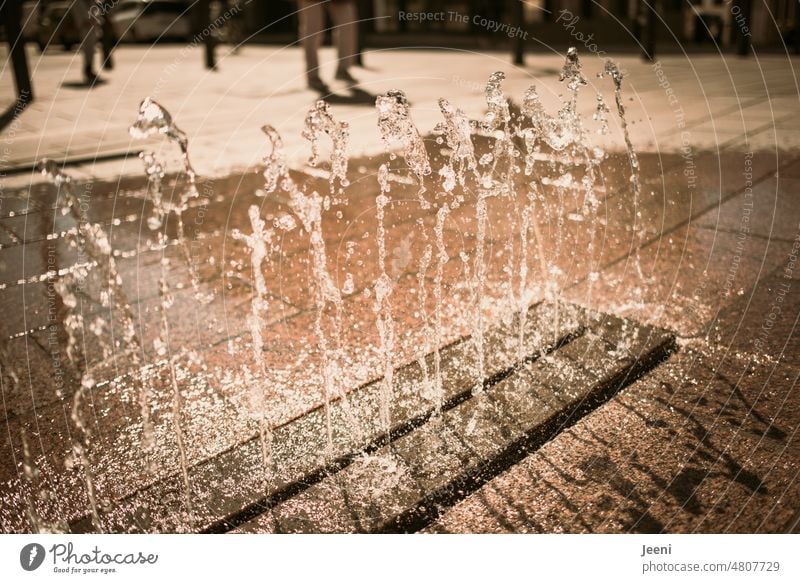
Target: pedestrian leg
[(311, 15), (84, 22), (345, 21)]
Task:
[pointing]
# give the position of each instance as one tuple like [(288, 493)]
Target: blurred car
[(149, 20), (56, 24)]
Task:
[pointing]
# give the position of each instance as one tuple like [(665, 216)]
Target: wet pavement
[(707, 442)]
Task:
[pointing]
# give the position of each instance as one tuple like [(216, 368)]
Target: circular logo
[(31, 556)]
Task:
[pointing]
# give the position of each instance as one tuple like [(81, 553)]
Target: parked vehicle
[(150, 20)]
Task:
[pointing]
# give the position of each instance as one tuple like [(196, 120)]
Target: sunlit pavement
[(700, 99)]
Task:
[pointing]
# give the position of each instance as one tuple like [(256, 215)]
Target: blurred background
[(616, 24)]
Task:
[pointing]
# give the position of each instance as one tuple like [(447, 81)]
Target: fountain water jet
[(383, 306), (155, 119), (320, 120), (155, 173), (308, 209), (257, 243), (92, 241), (495, 125), (428, 388), (612, 70), (441, 260)]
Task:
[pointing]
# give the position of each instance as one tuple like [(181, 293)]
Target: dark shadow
[(683, 488), (12, 111), (84, 84), (357, 96), (543, 71), (766, 427)]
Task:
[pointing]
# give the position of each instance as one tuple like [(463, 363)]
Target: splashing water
[(441, 260), (428, 390), (92, 242), (572, 74), (383, 306), (37, 492), (476, 180), (398, 130), (457, 131), (81, 442), (612, 70), (601, 114), (318, 121), (566, 134), (162, 344), (275, 168), (155, 119), (498, 114), (308, 210), (502, 160)]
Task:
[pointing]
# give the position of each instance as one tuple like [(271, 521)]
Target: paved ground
[(721, 101), (708, 443)]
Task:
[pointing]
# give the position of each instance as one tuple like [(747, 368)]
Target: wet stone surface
[(439, 463), (233, 484)]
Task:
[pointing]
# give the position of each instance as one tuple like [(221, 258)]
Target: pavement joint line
[(30, 167), (432, 506), (736, 140), (721, 113)]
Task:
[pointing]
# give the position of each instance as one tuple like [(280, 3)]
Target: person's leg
[(109, 41), (345, 21), (88, 47), (86, 28), (311, 17)]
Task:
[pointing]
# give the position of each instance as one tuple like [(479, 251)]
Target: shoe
[(344, 75), (90, 77), (318, 85), (108, 64)]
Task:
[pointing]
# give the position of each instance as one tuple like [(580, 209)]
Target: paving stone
[(364, 497), (699, 445), (470, 443)]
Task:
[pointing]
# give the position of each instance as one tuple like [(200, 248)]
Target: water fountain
[(493, 355)]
